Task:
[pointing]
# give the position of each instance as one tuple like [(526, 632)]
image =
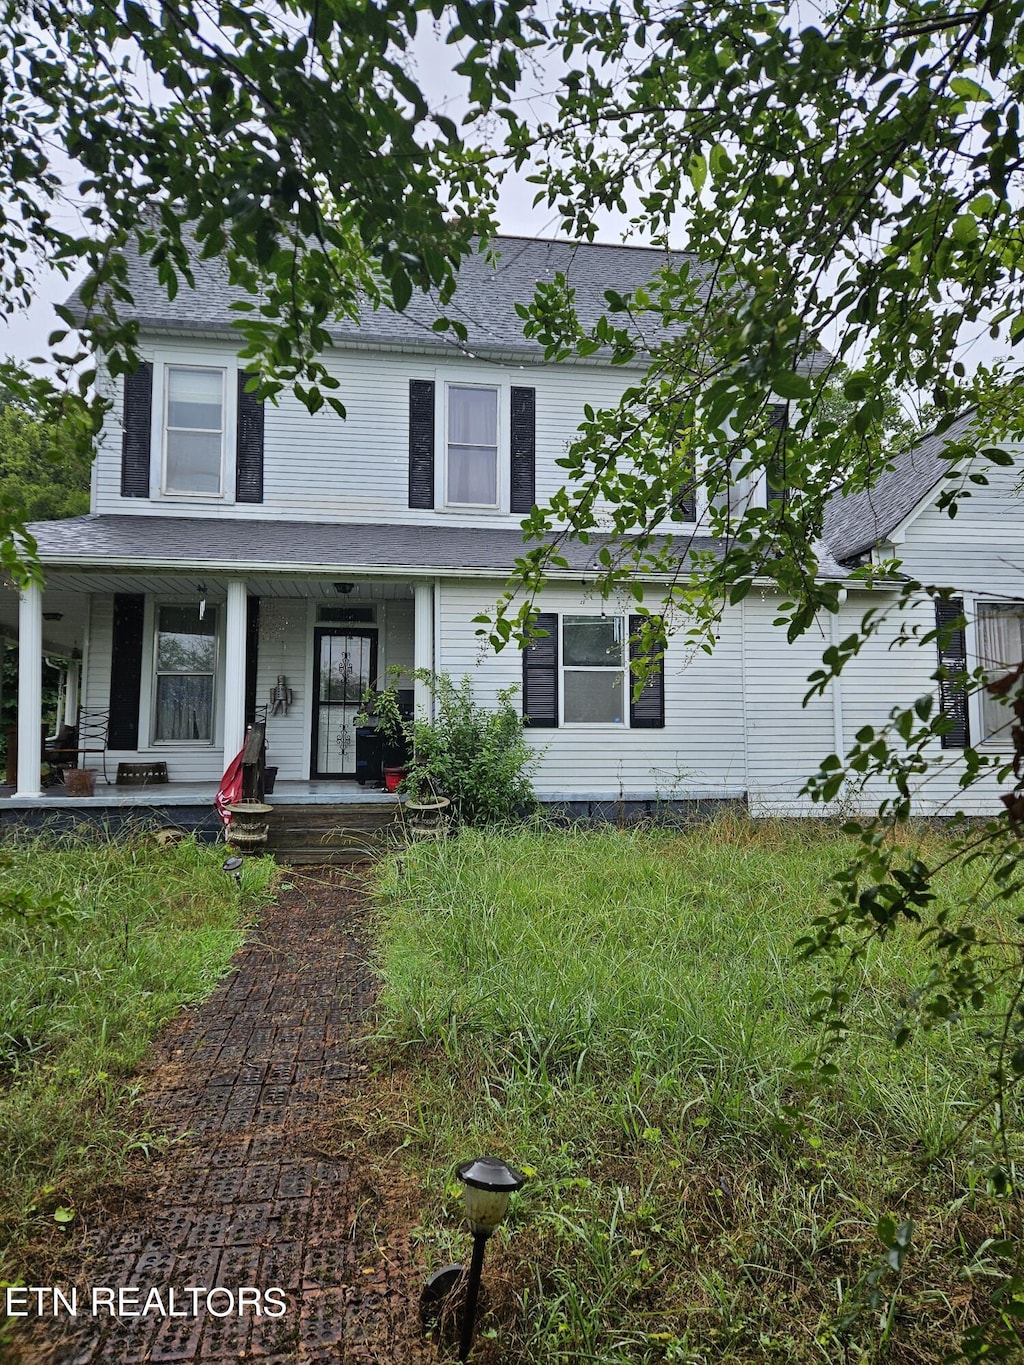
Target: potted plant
[(382, 713)]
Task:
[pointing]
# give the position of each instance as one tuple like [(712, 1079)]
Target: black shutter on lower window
[(540, 675), (647, 711), (126, 670), (252, 642), (421, 443), (952, 646), (135, 440), (523, 449), (248, 444)]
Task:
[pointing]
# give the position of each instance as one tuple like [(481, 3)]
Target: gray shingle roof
[(485, 299), (856, 523), (236, 543)]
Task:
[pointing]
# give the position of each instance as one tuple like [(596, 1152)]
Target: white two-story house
[(241, 555)]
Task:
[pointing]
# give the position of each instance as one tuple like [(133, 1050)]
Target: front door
[(345, 663)]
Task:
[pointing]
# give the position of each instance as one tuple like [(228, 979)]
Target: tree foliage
[(847, 184)]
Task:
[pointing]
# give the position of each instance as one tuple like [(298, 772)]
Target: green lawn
[(620, 1013), (100, 943)]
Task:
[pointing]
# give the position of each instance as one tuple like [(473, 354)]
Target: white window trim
[(147, 701), (473, 379), (586, 725), (1002, 743), (163, 361)]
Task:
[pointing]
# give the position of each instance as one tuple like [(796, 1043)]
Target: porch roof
[(233, 544)]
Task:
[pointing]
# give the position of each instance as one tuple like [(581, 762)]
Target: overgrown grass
[(100, 943), (621, 1013)]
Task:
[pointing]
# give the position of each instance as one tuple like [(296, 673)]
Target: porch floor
[(198, 794)]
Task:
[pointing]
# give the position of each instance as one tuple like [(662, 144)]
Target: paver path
[(245, 1199)]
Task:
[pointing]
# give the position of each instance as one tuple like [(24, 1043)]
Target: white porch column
[(423, 644), (234, 670), (71, 691), (30, 690)]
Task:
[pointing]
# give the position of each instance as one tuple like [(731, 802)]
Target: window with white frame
[(1000, 631), (193, 430), (471, 469), (185, 662), (594, 688)]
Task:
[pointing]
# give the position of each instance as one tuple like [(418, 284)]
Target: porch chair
[(88, 737)]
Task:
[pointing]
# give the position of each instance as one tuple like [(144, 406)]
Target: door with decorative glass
[(345, 663)]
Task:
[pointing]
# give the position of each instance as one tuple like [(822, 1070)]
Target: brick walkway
[(244, 1199)]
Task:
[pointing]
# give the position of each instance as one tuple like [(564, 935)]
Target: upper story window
[(472, 444), (185, 661), (194, 431), (471, 467)]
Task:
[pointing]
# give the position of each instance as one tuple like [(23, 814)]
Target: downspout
[(838, 733)]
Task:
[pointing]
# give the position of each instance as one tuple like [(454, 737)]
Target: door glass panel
[(343, 675)]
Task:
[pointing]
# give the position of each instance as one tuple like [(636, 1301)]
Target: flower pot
[(392, 778), (269, 778)]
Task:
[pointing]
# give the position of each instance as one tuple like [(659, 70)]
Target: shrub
[(474, 756)]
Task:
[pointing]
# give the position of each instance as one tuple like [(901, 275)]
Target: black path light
[(233, 867), (488, 1184)]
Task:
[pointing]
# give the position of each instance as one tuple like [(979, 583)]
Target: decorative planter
[(248, 830), (269, 778), (80, 781), (392, 778), (428, 819)]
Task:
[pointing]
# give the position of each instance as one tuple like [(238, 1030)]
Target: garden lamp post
[(488, 1184), (233, 867)]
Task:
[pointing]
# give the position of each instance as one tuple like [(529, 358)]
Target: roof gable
[(856, 522)]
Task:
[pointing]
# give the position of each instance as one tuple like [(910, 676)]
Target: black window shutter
[(952, 647), (647, 711), (540, 675), (138, 422), (421, 443), (252, 641), (523, 439), (248, 444), (126, 670)]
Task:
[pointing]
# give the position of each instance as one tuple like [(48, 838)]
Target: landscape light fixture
[(488, 1183), (233, 867)]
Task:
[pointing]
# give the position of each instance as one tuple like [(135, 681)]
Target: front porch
[(311, 822), (176, 665)]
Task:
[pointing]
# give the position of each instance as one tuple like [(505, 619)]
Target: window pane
[(1000, 648), (472, 416), (193, 461), (473, 475), (592, 640), (184, 707), (195, 398), (184, 643), (594, 698)]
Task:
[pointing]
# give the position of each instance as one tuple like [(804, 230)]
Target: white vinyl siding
[(319, 467)]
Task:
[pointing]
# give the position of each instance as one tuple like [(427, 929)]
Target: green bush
[(476, 757)]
